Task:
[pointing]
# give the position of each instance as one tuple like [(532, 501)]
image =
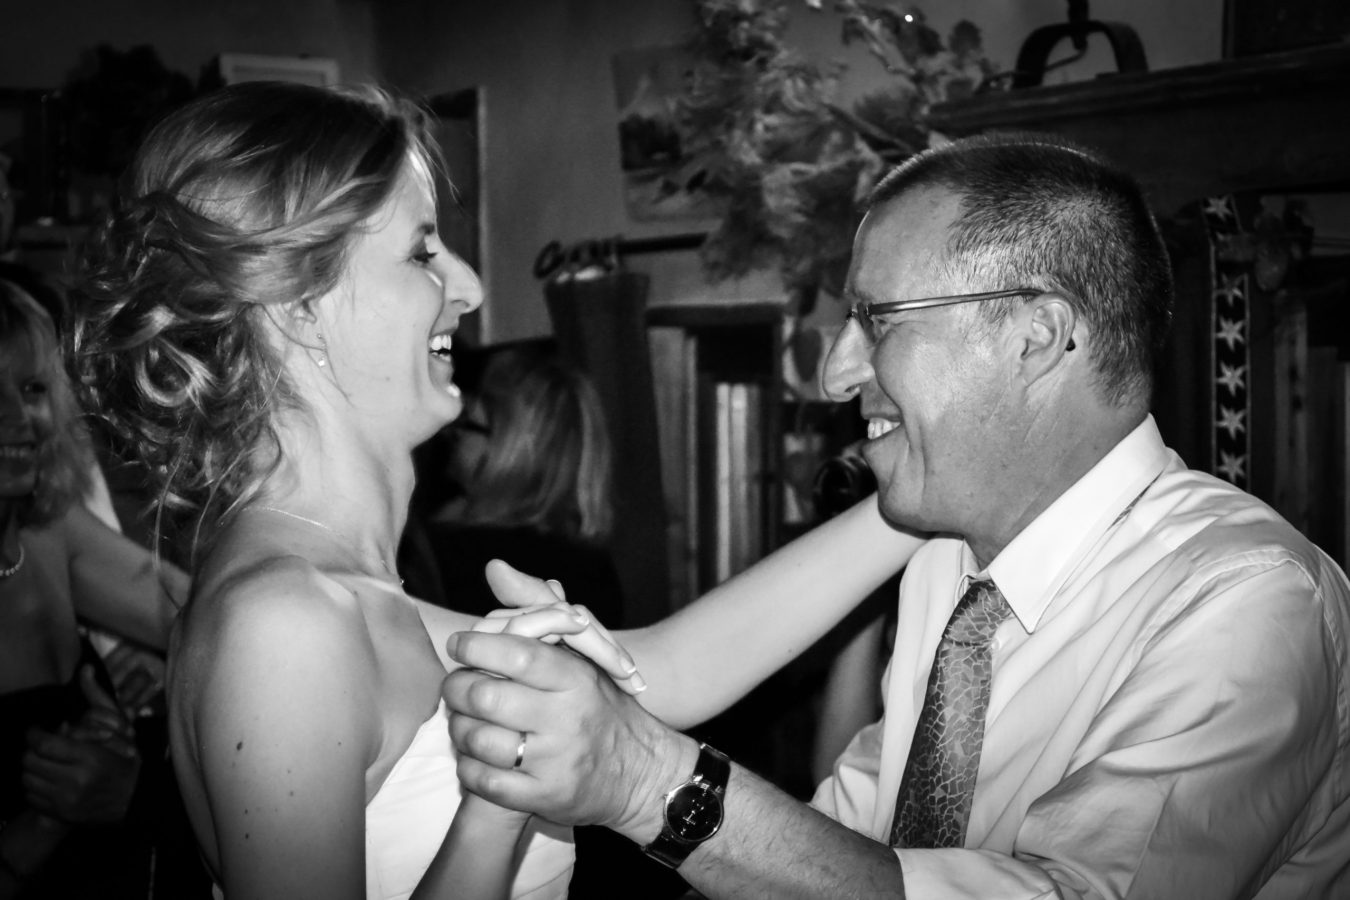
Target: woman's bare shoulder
[(268, 624)]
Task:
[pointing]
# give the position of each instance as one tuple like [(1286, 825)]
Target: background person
[(530, 474), (80, 809), (1112, 676), (529, 462)]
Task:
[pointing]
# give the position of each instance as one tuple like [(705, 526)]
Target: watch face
[(693, 812)]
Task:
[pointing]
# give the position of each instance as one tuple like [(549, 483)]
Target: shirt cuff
[(973, 875)]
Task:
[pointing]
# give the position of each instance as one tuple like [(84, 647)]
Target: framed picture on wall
[(315, 70), (647, 86)]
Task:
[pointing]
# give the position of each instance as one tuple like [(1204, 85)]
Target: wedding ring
[(520, 751)]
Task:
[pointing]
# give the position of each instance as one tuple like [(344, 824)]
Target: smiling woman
[(265, 327)]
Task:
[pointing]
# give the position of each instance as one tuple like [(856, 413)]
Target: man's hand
[(592, 754), (539, 609), (85, 774)]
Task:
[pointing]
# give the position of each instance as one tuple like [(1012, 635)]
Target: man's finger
[(526, 660), (489, 743), (507, 787), (499, 701)]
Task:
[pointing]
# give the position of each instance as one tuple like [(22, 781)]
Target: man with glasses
[(1112, 675)]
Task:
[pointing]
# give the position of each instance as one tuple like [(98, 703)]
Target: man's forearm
[(770, 844)]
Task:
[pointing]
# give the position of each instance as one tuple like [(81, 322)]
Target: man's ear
[(1048, 323)]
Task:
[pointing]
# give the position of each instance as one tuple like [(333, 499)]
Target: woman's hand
[(138, 676), (539, 609)]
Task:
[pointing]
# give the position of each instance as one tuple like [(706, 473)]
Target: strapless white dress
[(408, 817)]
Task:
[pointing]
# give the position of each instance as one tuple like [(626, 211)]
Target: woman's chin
[(449, 407)]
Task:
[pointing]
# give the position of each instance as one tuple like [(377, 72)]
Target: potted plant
[(762, 131)]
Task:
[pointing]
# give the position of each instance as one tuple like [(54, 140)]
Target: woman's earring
[(323, 355)]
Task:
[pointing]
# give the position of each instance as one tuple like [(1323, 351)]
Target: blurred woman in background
[(69, 761), (529, 463)]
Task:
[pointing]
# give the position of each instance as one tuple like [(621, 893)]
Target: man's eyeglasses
[(866, 313)]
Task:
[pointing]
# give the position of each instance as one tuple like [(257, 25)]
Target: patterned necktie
[(933, 806)]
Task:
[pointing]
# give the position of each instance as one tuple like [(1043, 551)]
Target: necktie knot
[(978, 614)]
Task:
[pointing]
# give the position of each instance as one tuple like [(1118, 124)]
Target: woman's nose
[(461, 284), (848, 366)]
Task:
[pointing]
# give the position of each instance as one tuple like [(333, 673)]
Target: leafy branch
[(761, 130)]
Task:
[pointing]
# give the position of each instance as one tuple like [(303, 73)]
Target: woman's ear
[(303, 311), (1048, 328), (298, 324)]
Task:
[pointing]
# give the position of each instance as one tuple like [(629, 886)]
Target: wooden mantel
[(1279, 121)]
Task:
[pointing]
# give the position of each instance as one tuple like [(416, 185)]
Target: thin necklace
[(10, 571), (315, 522)]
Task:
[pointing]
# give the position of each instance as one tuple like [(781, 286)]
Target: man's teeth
[(877, 427), (440, 343), (16, 451)]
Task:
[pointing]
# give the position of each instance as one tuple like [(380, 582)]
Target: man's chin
[(907, 520)]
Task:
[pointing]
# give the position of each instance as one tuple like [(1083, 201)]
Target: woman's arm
[(118, 585), (711, 653), (703, 658), (480, 854), (440, 623), (283, 724), (288, 724)]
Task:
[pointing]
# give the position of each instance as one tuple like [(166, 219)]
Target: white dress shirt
[(1170, 708)]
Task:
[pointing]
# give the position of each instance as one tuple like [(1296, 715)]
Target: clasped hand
[(85, 773), (586, 740)]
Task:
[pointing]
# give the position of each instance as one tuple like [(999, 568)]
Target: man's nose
[(848, 366)]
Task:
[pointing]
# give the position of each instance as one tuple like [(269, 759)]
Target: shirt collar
[(1033, 566)]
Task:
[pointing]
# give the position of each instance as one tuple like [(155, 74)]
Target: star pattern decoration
[(1233, 466), (1219, 207), (1231, 289), (1232, 421), (1229, 279), (1230, 331), (1234, 378)]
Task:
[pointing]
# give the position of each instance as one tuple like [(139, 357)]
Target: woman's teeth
[(877, 427), (440, 344), (22, 452)]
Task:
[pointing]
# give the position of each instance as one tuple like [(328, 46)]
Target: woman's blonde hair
[(64, 457), (548, 462), (246, 198)]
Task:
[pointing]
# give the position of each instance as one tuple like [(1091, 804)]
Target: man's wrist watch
[(693, 810)]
